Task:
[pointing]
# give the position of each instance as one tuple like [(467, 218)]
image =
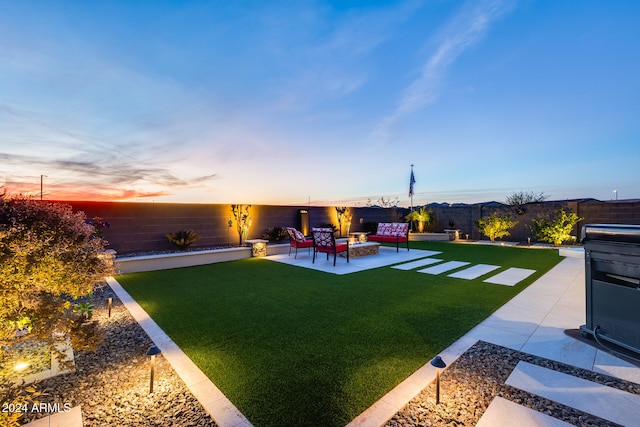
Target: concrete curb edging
[(215, 403), (189, 259)]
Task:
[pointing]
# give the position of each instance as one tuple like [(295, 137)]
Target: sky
[(319, 102)]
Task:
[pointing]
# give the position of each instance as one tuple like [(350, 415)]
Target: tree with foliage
[(495, 226), (50, 261), (384, 203), (557, 230), (520, 199), (422, 216)]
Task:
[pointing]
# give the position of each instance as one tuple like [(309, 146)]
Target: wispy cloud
[(465, 29), (333, 62)]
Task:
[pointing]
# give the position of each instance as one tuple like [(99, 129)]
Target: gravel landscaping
[(112, 384), (468, 386)]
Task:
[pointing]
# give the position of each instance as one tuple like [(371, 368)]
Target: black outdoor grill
[(612, 263)]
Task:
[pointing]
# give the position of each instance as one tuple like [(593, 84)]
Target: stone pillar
[(258, 247)]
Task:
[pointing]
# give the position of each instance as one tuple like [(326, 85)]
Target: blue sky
[(286, 102)]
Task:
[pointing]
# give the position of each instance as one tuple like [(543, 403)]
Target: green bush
[(495, 226), (422, 216), (183, 238), (557, 230)]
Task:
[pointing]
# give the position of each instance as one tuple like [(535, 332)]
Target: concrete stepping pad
[(416, 264), (474, 271), (72, 418), (510, 277), (600, 400), (441, 268), (505, 413)]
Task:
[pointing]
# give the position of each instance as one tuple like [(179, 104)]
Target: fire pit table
[(362, 249)]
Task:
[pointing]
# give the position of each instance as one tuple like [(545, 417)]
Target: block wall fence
[(142, 227)]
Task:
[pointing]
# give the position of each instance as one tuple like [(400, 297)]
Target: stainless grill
[(612, 273)]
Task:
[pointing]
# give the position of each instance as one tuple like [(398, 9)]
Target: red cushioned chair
[(324, 241), (297, 240)]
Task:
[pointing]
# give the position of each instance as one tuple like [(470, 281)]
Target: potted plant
[(421, 216)]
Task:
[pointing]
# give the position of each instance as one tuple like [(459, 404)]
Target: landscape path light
[(21, 366), (153, 350), (438, 363)]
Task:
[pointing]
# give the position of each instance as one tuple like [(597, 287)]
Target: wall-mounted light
[(153, 351), (438, 363)]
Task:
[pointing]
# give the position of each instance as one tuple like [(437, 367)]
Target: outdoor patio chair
[(297, 240), (324, 241)]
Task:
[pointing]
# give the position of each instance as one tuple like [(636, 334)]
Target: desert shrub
[(370, 226), (275, 234), (50, 261), (495, 226), (183, 238), (555, 230)]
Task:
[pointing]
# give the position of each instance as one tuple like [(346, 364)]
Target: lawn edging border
[(214, 402)]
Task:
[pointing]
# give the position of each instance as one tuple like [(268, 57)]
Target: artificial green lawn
[(291, 346)]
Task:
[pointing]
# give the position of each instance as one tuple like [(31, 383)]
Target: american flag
[(411, 182)]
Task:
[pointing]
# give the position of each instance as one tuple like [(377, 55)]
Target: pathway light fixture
[(438, 363), (153, 350)]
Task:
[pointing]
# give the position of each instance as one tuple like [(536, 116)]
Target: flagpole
[(411, 182), (411, 189)]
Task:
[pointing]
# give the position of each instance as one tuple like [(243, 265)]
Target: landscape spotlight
[(438, 363), (21, 366), (153, 350)]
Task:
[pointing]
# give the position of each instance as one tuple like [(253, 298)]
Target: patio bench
[(391, 232)]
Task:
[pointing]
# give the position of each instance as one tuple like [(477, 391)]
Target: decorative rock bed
[(112, 384), (468, 386)]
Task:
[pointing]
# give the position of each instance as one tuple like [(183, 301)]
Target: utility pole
[(41, 182)]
